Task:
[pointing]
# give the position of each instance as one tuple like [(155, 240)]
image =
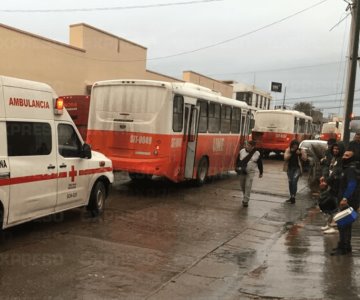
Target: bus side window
[(235, 120), (214, 117), (296, 125), (225, 118), (178, 113), (203, 121)]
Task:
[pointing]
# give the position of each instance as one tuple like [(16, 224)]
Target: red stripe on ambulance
[(44, 177)]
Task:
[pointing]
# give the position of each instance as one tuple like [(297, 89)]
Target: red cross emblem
[(73, 173)]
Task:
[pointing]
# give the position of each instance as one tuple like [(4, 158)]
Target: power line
[(104, 8), (318, 96), (280, 69), (241, 35), (205, 47)]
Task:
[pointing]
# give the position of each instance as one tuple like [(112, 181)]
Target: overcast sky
[(298, 43)]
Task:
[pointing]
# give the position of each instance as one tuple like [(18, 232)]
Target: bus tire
[(139, 176), (1, 217), (97, 199), (202, 171)]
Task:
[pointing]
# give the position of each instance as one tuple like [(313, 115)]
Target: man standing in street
[(293, 158), (250, 160)]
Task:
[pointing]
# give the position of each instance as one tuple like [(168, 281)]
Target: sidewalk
[(281, 253)]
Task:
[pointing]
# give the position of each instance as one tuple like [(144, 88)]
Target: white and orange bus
[(177, 130), (274, 129), (331, 130)]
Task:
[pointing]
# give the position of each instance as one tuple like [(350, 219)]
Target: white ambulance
[(45, 167)]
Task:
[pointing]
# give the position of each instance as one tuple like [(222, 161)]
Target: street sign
[(276, 87)]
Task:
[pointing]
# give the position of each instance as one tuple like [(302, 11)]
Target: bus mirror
[(337, 124)]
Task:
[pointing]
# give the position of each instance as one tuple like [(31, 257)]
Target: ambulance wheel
[(97, 199), (202, 171)]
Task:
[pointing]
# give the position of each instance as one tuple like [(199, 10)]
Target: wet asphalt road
[(160, 240)]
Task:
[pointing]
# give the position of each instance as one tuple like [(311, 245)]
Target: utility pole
[(283, 106), (351, 75)]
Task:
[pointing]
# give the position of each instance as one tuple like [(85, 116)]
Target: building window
[(244, 96)]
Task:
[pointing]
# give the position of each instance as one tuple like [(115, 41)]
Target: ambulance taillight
[(59, 106)]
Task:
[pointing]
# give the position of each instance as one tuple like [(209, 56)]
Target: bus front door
[(190, 136)]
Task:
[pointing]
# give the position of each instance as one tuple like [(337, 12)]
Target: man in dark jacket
[(349, 192), (354, 146)]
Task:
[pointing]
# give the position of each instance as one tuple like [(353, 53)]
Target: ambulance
[(45, 166)]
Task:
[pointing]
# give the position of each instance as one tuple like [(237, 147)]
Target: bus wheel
[(139, 176), (202, 171), (266, 154), (1, 217), (97, 199)]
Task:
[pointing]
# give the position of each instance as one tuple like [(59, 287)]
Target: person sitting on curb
[(293, 157)]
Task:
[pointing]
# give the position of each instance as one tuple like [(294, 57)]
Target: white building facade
[(252, 95)]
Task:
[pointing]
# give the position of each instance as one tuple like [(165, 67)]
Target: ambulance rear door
[(33, 170), (4, 169)]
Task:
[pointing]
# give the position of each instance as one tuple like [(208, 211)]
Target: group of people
[(340, 187), (339, 182)]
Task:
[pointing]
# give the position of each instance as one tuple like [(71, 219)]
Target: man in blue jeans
[(293, 157)]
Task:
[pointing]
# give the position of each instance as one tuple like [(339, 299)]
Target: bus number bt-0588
[(139, 139)]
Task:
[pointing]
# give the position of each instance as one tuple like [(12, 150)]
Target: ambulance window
[(69, 143), (28, 138)]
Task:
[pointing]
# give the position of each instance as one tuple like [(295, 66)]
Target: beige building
[(71, 69), (223, 88), (92, 55)]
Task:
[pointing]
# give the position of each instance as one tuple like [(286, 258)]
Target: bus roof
[(185, 88), (286, 112)]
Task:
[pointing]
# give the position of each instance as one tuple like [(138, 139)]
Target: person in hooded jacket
[(293, 158), (326, 159), (349, 192), (354, 146), (330, 182)]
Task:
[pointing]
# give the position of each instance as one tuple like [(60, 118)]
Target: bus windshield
[(273, 121), (331, 127)]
